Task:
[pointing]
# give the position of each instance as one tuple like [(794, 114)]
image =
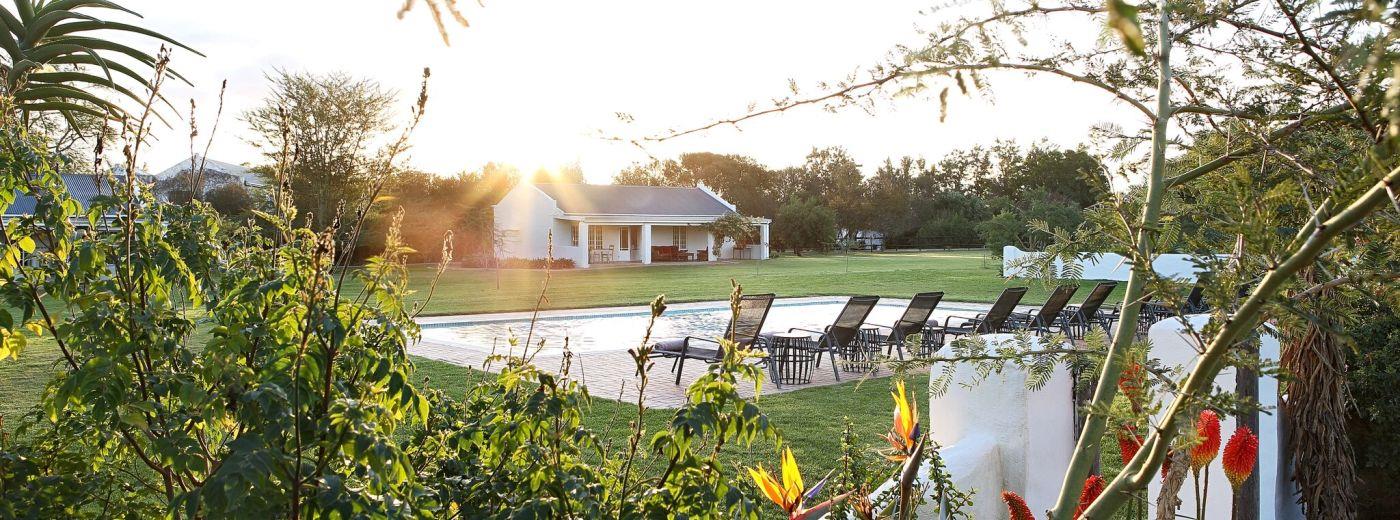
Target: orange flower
[(1132, 382), (1017, 506), (791, 493), (1129, 442), (1093, 487), (1207, 440), (904, 436), (1240, 455)]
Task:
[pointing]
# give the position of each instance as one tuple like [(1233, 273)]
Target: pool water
[(621, 329)]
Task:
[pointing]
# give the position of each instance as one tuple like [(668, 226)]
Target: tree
[(890, 193), (230, 200), (734, 226), (654, 173), (804, 224), (831, 175), (332, 122)]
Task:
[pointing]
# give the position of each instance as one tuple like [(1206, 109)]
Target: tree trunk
[(1323, 465)]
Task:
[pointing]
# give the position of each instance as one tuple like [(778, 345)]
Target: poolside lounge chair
[(1047, 318), (986, 323), (1077, 320), (913, 321), (743, 329), (842, 333), (1155, 311)]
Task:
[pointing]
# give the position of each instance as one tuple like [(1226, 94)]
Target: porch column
[(581, 260), (710, 246), (763, 241), (645, 243)]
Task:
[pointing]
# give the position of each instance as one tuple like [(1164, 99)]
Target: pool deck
[(612, 374)]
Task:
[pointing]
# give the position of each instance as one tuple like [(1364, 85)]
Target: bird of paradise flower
[(904, 436), (791, 494)]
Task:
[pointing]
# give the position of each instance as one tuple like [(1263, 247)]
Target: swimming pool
[(621, 328)]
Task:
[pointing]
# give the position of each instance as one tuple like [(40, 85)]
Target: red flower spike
[(1240, 455), (1093, 487), (1207, 440), (1167, 465), (1129, 442), (1017, 506), (1131, 383)]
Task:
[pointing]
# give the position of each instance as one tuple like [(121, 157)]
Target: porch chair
[(743, 329), (913, 321), (1047, 318), (1078, 319), (985, 323), (845, 331)]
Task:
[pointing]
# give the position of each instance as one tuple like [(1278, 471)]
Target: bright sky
[(531, 82)]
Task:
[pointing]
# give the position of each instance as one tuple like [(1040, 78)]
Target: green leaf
[(1123, 19)]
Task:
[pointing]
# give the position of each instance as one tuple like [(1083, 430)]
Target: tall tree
[(333, 123), (834, 177)]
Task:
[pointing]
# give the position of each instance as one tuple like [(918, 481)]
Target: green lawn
[(963, 275)]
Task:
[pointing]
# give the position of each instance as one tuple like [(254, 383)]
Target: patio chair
[(1196, 301), (845, 331), (1048, 318), (913, 321), (743, 329), (1078, 319), (985, 323)]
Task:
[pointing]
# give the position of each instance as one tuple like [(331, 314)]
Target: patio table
[(792, 355)]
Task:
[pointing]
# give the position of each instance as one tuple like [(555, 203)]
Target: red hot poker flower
[(1093, 487), (1128, 442), (1016, 506), (1240, 455), (1207, 439)]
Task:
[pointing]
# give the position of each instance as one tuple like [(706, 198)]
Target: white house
[(608, 224)]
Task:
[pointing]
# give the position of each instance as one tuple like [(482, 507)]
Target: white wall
[(997, 435), (527, 215), (1104, 266), (1175, 348)]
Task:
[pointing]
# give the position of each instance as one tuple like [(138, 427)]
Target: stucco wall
[(524, 217), (1175, 348)]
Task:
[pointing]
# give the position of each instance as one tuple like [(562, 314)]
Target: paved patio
[(612, 373)]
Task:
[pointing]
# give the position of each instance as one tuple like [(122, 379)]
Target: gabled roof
[(607, 199), (210, 166), (82, 187)]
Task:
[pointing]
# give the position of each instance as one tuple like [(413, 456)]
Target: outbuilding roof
[(81, 187), (608, 199)]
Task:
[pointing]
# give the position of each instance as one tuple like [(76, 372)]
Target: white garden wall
[(997, 435), (1103, 266)]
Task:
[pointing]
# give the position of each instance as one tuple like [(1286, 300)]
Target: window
[(573, 234), (678, 237), (624, 239), (595, 238)]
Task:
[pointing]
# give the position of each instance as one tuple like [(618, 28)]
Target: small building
[(175, 182), (597, 224)]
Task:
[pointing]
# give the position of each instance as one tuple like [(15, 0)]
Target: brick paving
[(612, 373)]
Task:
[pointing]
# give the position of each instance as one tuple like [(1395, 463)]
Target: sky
[(535, 83)]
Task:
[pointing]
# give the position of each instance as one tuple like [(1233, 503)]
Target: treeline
[(980, 196)]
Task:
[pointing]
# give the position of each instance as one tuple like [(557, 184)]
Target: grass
[(970, 276)]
